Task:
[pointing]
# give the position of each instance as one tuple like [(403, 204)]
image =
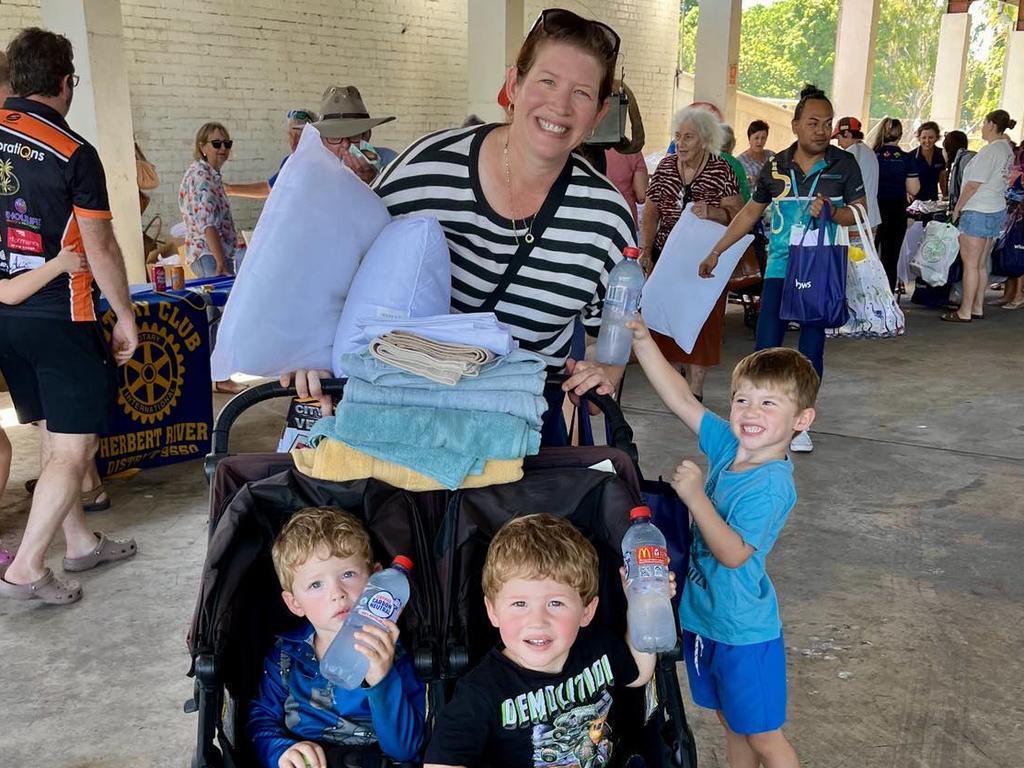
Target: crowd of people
[(532, 238)]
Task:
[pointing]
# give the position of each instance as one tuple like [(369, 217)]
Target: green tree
[(687, 35), (983, 82), (905, 50)]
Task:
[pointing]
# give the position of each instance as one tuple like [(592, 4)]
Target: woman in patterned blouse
[(211, 241), (694, 175)]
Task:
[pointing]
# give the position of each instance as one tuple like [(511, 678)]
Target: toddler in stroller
[(323, 560), (549, 695)]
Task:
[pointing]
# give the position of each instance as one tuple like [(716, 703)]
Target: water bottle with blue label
[(621, 304), (383, 598)]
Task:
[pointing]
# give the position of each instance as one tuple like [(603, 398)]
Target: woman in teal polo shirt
[(797, 182)]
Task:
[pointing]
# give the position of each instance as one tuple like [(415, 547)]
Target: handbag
[(1008, 254), (874, 311), (747, 272), (814, 291), (145, 172)]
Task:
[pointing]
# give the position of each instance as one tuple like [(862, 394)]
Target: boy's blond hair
[(541, 546), (780, 367), (318, 529)]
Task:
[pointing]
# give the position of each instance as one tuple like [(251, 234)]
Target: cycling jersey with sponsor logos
[(50, 177)]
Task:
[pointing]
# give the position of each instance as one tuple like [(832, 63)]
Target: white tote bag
[(874, 311), (937, 252)]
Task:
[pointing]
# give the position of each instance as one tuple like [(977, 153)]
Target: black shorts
[(59, 371)]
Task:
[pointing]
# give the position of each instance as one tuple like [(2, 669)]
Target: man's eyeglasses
[(302, 114), (218, 143), (335, 140), (551, 20)]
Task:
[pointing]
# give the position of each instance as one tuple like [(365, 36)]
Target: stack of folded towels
[(423, 414)]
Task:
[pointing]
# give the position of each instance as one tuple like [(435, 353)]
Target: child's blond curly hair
[(780, 367), (318, 529), (541, 546)]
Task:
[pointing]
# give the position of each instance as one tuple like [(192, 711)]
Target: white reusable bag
[(407, 273), (283, 311), (874, 311), (937, 252)]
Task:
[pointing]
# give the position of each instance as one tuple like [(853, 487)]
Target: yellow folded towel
[(336, 461)]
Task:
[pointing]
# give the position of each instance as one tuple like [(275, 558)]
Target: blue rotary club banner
[(164, 410)]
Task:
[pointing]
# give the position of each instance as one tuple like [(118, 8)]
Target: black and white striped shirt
[(579, 233)]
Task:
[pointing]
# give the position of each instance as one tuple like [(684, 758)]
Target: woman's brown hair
[(593, 37), (203, 136)]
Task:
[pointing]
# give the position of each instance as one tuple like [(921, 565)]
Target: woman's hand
[(584, 376), (71, 261), (646, 264), (307, 384), (700, 210), (707, 267)]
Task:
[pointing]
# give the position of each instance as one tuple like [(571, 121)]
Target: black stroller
[(238, 612)]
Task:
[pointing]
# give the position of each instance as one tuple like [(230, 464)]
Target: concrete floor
[(899, 572)]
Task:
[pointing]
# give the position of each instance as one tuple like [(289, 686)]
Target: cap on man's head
[(851, 124), (343, 114)]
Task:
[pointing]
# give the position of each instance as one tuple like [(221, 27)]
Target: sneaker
[(801, 443)]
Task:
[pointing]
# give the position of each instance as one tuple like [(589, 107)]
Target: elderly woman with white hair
[(697, 175)]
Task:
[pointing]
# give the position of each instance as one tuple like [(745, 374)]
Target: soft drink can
[(177, 277), (158, 274)]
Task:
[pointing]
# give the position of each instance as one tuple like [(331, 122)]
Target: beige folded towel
[(435, 360), (337, 461)]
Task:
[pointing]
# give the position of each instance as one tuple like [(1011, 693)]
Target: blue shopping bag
[(1008, 254), (814, 292)]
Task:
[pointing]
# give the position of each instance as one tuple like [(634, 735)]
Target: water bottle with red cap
[(621, 304), (383, 598), (652, 622)]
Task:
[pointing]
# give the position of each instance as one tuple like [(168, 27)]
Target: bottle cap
[(630, 252), (636, 512), (402, 562)]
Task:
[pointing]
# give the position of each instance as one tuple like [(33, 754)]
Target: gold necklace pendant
[(529, 236)]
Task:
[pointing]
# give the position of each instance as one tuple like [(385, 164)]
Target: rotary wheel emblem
[(9, 184), (151, 381)]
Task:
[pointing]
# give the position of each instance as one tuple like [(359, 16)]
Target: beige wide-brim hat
[(344, 114)]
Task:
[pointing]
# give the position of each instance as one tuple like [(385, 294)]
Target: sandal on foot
[(48, 588), (952, 317), (977, 317), (108, 550), (1014, 304), (95, 500)]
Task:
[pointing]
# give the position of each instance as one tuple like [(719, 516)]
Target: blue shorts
[(747, 683), (978, 224)]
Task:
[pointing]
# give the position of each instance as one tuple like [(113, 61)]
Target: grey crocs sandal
[(48, 589), (108, 550)]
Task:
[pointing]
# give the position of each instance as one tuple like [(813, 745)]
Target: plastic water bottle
[(652, 622), (384, 597), (621, 304)]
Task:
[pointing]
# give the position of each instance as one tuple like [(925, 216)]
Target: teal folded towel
[(440, 443), (524, 405), (517, 371)]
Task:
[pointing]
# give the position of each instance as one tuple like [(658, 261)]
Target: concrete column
[(1013, 77), (496, 31), (950, 68), (855, 58), (718, 55), (101, 110)]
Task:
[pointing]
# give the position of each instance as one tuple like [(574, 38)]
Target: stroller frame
[(438, 661)]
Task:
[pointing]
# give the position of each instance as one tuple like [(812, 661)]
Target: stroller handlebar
[(620, 433)]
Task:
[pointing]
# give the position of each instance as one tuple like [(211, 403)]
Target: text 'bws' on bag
[(814, 292)]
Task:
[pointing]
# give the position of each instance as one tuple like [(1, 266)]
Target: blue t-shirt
[(928, 172), (737, 605), (273, 179), (895, 166)]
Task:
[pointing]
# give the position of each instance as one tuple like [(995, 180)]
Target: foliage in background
[(905, 50), (984, 80)]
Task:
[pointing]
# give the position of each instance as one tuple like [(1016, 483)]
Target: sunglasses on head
[(218, 143), (301, 114), (553, 20)]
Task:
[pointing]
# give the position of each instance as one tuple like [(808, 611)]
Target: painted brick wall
[(246, 62)]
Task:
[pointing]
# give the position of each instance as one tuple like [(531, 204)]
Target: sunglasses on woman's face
[(218, 143), (551, 20)]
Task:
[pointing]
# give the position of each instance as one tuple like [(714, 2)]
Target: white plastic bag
[(936, 254), (284, 308), (407, 273), (874, 311)]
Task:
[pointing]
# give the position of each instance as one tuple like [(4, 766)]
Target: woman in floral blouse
[(211, 242)]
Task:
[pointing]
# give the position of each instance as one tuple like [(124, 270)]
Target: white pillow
[(287, 299), (406, 273)]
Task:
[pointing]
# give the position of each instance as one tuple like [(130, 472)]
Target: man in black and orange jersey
[(52, 352)]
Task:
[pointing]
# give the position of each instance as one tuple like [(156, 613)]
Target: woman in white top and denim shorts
[(980, 212)]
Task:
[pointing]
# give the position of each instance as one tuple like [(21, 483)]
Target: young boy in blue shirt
[(732, 635), (323, 560)]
